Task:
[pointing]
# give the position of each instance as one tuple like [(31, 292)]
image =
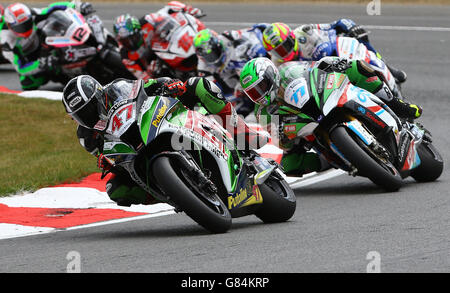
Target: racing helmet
[(127, 30), (280, 41), (209, 47), (19, 19), (308, 39), (260, 80), (85, 101)]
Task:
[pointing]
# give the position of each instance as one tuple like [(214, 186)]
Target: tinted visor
[(285, 48), (88, 115), (214, 56), (22, 28), (260, 89), (212, 53)]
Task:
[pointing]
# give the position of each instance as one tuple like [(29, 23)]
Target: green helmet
[(260, 80), (209, 47), (127, 30)]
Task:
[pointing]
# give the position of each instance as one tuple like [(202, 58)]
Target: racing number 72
[(79, 34)]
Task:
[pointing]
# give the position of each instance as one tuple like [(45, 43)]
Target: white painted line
[(408, 28), (157, 214), (313, 178), (375, 27)]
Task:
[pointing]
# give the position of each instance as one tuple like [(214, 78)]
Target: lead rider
[(88, 103)]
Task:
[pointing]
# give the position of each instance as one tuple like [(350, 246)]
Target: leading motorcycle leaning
[(187, 159)]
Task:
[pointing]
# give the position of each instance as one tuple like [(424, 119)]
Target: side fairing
[(159, 115)]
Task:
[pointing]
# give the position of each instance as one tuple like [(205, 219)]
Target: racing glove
[(330, 64), (90, 139), (175, 88), (104, 163), (358, 32), (196, 12)]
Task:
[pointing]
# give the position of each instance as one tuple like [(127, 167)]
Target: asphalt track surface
[(337, 222)]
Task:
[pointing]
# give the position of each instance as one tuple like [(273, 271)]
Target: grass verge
[(39, 146)]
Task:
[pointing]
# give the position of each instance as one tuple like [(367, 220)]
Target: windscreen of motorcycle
[(119, 91), (309, 40), (294, 83), (57, 24)]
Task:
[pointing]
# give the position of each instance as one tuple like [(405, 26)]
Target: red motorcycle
[(173, 44)]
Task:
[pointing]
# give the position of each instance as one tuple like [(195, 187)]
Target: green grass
[(39, 146)]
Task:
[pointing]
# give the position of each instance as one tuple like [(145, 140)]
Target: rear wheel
[(279, 201), (206, 209), (381, 173)]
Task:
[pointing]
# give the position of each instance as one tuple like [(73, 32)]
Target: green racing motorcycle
[(188, 160), (355, 131)]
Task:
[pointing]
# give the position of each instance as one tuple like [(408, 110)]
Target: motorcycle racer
[(266, 85), (315, 41), (222, 56), (87, 102), (21, 44), (135, 37)]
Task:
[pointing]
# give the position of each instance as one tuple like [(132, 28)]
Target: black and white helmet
[(85, 101)]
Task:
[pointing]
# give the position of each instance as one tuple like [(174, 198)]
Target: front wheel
[(279, 201), (381, 173), (206, 209)]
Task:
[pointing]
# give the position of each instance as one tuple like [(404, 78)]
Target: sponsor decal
[(234, 201), (296, 93), (340, 80), (246, 196), (376, 120), (160, 115), (372, 79), (290, 128), (330, 81), (75, 101), (247, 79)]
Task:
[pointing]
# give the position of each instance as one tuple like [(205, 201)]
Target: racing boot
[(122, 190), (401, 108), (245, 137), (399, 75), (404, 109)]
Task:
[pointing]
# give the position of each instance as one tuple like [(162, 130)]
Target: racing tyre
[(384, 175), (207, 210), (279, 201), (431, 164)]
